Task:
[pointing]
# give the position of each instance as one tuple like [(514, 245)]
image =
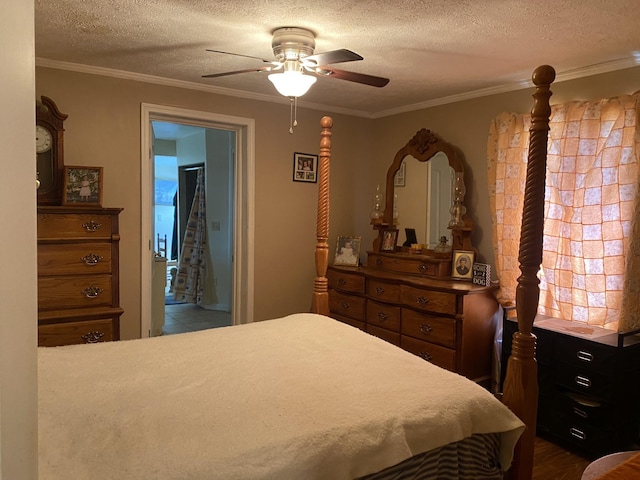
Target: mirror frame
[(424, 145)]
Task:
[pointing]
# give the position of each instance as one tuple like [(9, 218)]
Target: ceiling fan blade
[(352, 76), (239, 55), (334, 56), (247, 70)]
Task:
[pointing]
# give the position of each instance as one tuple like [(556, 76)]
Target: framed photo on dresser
[(462, 264), (82, 186)]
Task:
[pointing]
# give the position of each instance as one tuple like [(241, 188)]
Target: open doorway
[(229, 220)]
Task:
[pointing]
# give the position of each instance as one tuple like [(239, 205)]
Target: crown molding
[(140, 77), (517, 85), (509, 87)]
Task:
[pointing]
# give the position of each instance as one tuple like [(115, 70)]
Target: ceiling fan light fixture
[(292, 83)]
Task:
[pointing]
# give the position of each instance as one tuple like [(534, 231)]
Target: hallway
[(186, 317)]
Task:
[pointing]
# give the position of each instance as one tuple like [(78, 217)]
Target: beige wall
[(103, 129), (466, 125)]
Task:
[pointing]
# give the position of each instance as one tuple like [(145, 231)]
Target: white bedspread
[(302, 397)]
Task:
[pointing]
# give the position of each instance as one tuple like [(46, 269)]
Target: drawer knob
[(579, 434), (92, 292), (379, 290), (581, 413), (91, 226), (582, 381), (378, 261), (584, 356), (382, 316), (92, 337), (425, 356), (342, 282), (344, 305), (91, 259), (426, 328), (422, 301), (423, 268)]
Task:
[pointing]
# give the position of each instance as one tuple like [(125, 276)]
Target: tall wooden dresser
[(78, 275), (447, 322)]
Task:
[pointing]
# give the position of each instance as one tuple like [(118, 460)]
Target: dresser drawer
[(429, 328), (349, 321), (589, 355), (585, 381), (383, 291), (347, 305), (441, 356), (74, 225), (383, 315), (74, 291), (384, 334), (438, 302), (73, 333), (348, 282), (411, 264), (77, 258)]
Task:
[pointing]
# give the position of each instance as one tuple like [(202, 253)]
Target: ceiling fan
[(293, 49)]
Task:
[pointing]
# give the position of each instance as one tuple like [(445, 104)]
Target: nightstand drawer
[(441, 356), (383, 291), (73, 333), (74, 225), (585, 381), (382, 315), (78, 258), (345, 281), (429, 328), (74, 291), (428, 300), (346, 305)]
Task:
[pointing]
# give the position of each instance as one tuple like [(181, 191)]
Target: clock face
[(43, 139)]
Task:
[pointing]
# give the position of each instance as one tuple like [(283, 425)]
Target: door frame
[(243, 204)]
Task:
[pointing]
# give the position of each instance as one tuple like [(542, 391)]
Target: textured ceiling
[(432, 50)]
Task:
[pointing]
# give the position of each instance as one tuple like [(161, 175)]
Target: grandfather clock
[(49, 151)]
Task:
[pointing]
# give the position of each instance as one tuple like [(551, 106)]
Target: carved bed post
[(320, 300), (521, 382)]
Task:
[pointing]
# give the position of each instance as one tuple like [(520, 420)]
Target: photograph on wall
[(82, 186), (305, 167)]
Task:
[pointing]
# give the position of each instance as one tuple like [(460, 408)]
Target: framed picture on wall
[(82, 186), (305, 167), (462, 264)]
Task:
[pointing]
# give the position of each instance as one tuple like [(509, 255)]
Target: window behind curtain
[(590, 210)]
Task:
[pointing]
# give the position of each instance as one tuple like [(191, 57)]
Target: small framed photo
[(462, 264), (82, 186), (399, 179), (347, 251), (389, 240), (305, 167)]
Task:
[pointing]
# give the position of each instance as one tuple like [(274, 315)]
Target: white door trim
[(244, 180)]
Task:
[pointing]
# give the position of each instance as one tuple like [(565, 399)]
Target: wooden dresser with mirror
[(408, 297)]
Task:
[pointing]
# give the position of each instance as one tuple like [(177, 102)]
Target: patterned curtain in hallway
[(192, 266)]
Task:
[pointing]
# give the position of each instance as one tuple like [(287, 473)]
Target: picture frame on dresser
[(82, 186), (462, 266), (348, 251), (389, 240)]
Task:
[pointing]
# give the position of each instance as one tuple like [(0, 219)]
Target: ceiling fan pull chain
[(291, 116)]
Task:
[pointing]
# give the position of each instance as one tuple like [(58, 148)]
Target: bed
[(299, 397)]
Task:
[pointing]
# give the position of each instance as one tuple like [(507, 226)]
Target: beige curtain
[(591, 253)]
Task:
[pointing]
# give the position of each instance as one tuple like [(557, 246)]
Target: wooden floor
[(551, 462)]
